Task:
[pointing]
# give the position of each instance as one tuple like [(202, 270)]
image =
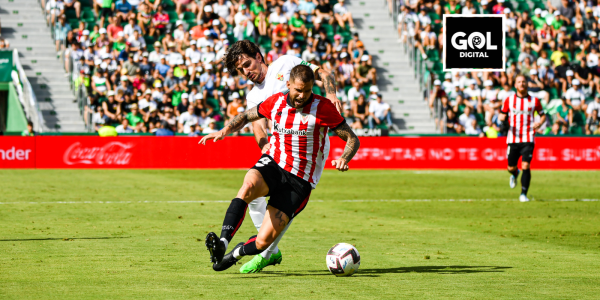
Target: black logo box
[(474, 59)]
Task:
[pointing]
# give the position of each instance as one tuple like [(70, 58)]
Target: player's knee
[(247, 188)]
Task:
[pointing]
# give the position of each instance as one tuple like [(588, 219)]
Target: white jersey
[(275, 80)]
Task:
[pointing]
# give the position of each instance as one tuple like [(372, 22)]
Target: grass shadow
[(375, 272), (437, 269), (67, 239)]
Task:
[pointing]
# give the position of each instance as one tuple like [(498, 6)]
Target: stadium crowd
[(157, 65), (554, 43)]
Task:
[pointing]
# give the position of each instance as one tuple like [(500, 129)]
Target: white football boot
[(523, 198), (513, 180)]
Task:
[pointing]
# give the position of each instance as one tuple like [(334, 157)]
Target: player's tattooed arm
[(329, 85), (239, 121), (236, 124), (352, 144)]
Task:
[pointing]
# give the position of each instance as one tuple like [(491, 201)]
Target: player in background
[(244, 57), (290, 169), (520, 109)]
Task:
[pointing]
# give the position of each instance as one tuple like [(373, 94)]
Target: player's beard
[(298, 102)]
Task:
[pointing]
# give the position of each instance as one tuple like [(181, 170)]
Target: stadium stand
[(555, 44), (23, 24), (396, 73), (145, 66)]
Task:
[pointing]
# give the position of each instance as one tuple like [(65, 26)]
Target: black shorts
[(289, 193), (516, 150), (106, 12)]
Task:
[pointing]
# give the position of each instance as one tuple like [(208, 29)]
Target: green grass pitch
[(139, 235)]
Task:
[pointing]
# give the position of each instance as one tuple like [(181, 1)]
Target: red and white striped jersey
[(299, 143), (520, 117)]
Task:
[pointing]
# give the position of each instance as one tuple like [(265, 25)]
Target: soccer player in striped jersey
[(244, 57), (520, 109), (289, 170)]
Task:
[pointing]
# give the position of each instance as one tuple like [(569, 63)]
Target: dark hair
[(236, 50), (302, 73)]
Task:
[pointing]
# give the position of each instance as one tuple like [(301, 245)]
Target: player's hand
[(265, 148), (215, 136), (537, 125), (338, 104), (340, 164)]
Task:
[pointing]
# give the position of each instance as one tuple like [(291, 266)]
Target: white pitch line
[(354, 200)]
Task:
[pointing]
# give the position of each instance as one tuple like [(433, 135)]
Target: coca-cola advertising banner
[(142, 152)]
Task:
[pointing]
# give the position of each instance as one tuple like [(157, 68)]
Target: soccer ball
[(343, 260)]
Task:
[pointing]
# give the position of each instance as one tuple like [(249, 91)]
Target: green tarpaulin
[(6, 66)]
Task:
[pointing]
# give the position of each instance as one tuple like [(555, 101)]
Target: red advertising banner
[(17, 152), (139, 152), (468, 153)]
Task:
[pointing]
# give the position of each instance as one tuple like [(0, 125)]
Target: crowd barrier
[(148, 152)]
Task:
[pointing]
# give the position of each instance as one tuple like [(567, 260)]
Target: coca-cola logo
[(113, 153)]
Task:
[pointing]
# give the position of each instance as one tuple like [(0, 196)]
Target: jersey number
[(263, 161)]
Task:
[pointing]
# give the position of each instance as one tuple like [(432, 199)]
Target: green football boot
[(258, 263)]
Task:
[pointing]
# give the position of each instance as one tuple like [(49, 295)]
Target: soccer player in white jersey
[(290, 169), (244, 57), (520, 110)]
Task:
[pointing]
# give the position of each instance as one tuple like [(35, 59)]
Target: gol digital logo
[(474, 42)]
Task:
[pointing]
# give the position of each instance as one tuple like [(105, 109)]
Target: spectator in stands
[(4, 44), (212, 127), (234, 106), (99, 118), (585, 77), (360, 111), (592, 113), (379, 111), (164, 129), (187, 120), (452, 124), (342, 15), (123, 9), (365, 72), (103, 9), (452, 7), (124, 127), (437, 93), (160, 20), (574, 95), (74, 4), (562, 118), (54, 9), (61, 30), (536, 87), (468, 121)]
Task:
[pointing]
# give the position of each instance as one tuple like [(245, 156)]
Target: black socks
[(515, 173), (525, 179), (249, 247), (233, 218)]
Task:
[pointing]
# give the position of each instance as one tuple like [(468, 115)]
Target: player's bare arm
[(539, 123), (329, 85), (236, 124), (352, 144), (260, 135)]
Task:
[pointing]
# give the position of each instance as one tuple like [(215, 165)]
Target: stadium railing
[(419, 66), (73, 69), (26, 95)]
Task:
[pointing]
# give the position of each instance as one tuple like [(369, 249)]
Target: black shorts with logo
[(516, 150), (289, 193)]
